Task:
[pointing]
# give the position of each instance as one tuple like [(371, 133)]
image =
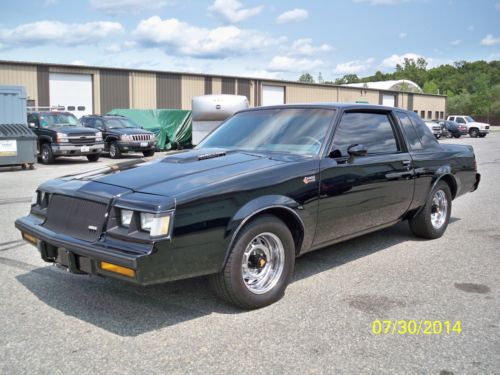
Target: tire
[(457, 135), (482, 135), (93, 157), (47, 156), (437, 136), (473, 132), (114, 150), (250, 256), (426, 225), (148, 153)]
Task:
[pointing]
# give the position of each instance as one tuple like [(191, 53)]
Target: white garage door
[(273, 95), (388, 100), (72, 91)]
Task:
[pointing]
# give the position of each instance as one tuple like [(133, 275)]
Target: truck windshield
[(59, 119), (299, 131), (469, 119), (120, 123)]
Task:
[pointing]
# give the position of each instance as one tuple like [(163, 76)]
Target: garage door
[(273, 95), (72, 91), (388, 100)]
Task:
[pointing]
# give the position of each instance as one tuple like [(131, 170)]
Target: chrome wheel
[(439, 209), (263, 262)]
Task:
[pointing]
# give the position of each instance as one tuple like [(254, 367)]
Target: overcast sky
[(279, 39)]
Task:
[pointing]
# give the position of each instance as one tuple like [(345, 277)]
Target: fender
[(443, 173), (256, 206)]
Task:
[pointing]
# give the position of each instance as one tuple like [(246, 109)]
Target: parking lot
[(55, 322)]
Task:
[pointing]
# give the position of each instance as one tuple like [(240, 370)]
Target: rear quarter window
[(427, 139)]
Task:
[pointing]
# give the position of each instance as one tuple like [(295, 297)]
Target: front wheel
[(148, 153), (260, 265), (457, 135), (47, 154), (482, 135), (93, 157), (473, 132), (432, 221), (114, 150)]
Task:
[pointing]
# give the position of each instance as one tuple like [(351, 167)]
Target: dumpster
[(12, 105), (17, 145)]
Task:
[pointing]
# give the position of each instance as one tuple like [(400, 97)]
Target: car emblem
[(309, 179)]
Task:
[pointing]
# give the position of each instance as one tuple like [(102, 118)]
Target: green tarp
[(172, 127)]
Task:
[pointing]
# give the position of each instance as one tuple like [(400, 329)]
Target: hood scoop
[(211, 156)]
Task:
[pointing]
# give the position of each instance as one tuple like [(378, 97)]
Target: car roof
[(327, 105)]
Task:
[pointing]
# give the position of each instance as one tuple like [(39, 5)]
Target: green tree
[(348, 78), (430, 87), (306, 77)]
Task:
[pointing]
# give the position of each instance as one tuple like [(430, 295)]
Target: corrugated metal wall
[(216, 86), (429, 103), (142, 90), (42, 79), (114, 86), (296, 93), (244, 88), (353, 95), (22, 75), (168, 91), (228, 86), (191, 86)]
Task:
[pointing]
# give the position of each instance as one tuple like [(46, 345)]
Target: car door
[(361, 192)]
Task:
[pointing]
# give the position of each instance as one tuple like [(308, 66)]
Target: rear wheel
[(93, 157), (47, 155), (114, 150), (473, 132), (457, 135), (432, 220), (148, 153), (260, 265)]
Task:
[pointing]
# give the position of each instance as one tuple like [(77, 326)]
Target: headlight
[(62, 137), (98, 136), (126, 217), (126, 137), (155, 225), (153, 137)]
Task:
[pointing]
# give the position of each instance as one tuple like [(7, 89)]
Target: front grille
[(75, 217), (141, 137), (82, 141), (487, 127), (436, 128)]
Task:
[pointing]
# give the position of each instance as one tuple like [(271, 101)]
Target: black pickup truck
[(60, 134), (269, 185)]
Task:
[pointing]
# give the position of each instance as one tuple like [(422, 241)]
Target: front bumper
[(83, 257), (136, 146), (62, 149), (484, 131)]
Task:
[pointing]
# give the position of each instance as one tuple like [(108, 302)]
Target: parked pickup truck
[(435, 128), (475, 129), (60, 134), (270, 184)]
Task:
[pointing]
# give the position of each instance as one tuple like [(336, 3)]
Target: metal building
[(87, 89)]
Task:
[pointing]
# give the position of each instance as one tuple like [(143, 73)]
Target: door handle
[(406, 163)]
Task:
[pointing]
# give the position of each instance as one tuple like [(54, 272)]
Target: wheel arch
[(279, 206)]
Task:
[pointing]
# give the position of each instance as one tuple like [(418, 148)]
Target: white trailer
[(209, 111)]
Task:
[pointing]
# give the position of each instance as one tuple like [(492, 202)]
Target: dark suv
[(60, 134), (121, 135)]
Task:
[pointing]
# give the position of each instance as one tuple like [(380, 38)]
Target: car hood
[(70, 130), (478, 124), (181, 172), (129, 131)]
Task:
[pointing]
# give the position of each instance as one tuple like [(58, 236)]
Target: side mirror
[(32, 125), (357, 150)]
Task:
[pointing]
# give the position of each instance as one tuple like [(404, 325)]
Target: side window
[(460, 120), (427, 139), (373, 130), (410, 132), (99, 124)]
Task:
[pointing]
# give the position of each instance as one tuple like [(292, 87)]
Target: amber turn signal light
[(29, 238), (110, 267)]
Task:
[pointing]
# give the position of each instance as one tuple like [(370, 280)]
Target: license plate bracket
[(85, 149)]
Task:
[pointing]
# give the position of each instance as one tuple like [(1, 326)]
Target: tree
[(430, 87), (306, 77), (348, 78)]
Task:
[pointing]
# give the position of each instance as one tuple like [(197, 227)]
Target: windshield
[(60, 119), (120, 123), (299, 131), (469, 119)]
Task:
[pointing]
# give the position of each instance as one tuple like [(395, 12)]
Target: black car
[(455, 129), (270, 184), (60, 134), (121, 135)]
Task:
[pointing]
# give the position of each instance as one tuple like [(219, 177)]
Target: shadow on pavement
[(129, 310)]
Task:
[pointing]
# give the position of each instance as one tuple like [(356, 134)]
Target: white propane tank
[(209, 111)]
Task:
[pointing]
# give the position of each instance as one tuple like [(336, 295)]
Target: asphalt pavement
[(52, 322)]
